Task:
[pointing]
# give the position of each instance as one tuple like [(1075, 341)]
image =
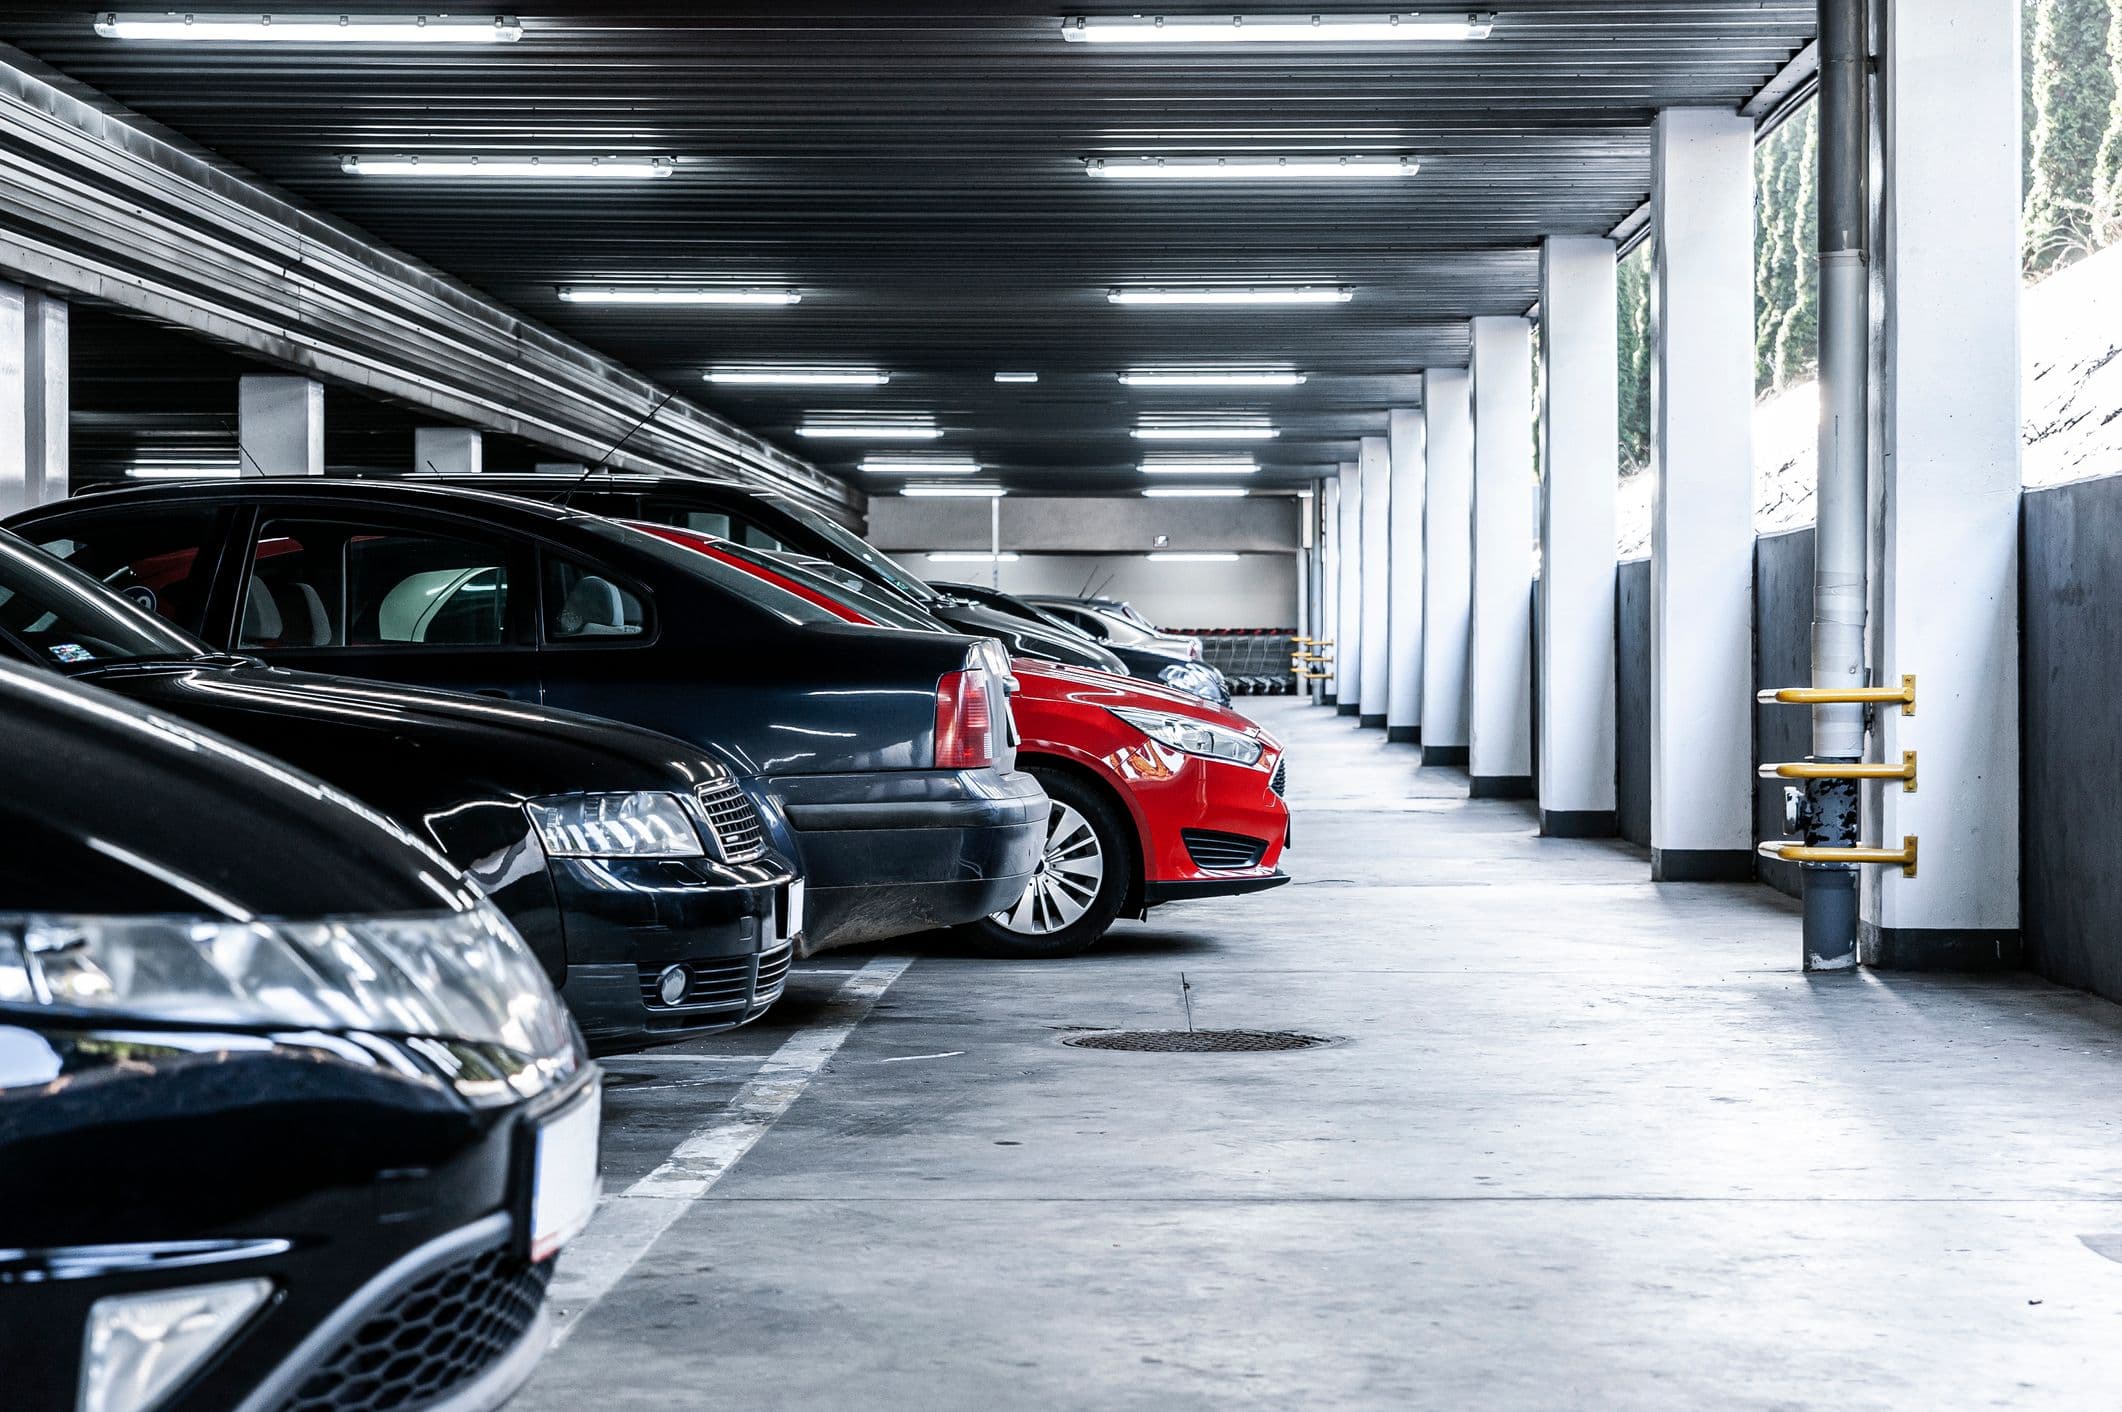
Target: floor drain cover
[(1195, 1041)]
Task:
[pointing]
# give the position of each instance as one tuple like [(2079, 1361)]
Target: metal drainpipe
[(1839, 544)]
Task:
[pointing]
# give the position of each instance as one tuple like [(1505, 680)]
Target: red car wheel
[(1082, 879)]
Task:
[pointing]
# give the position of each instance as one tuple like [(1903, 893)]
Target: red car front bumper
[(1206, 827)]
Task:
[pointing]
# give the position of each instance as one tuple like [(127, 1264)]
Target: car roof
[(600, 480), (326, 490)]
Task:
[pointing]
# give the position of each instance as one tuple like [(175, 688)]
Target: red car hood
[(1091, 687)]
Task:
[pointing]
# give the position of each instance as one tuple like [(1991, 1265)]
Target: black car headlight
[(462, 977), (643, 825), (1183, 733)]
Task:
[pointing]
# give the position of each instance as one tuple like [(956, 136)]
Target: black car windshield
[(751, 589), (844, 539), (53, 613)]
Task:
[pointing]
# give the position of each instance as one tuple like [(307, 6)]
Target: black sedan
[(761, 519), (1143, 659), (890, 750), (289, 1115), (636, 867)]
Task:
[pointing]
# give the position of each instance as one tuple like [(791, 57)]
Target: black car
[(1163, 664), (762, 519), (637, 868), (889, 750), (290, 1117)]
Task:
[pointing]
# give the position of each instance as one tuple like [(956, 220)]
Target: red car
[(1158, 796)]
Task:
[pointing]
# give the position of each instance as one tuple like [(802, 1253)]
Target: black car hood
[(469, 742), (121, 808)]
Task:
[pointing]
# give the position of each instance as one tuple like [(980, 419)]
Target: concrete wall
[(1783, 595), (1258, 591), (2071, 677), (1632, 700), (1085, 524), (1064, 543)]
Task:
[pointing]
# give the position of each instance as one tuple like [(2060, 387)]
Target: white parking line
[(627, 1225)]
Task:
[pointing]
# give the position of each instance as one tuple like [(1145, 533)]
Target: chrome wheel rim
[(1070, 872)]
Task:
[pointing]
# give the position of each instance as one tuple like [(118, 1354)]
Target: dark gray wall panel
[(2071, 676), (1632, 701), (1783, 593)]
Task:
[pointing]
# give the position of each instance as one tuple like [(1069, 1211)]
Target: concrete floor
[(1585, 1143)]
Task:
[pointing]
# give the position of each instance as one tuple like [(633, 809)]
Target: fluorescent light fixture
[(146, 471), (1211, 377), (1191, 556), (870, 431), (1016, 377), (1232, 294), (954, 492), (919, 465), (255, 28), (1208, 431), (954, 556), (1403, 27), (512, 167), (1199, 466), (668, 294), (1195, 492), (1347, 168), (799, 377)]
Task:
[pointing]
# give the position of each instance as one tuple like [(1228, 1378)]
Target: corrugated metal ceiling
[(916, 171)]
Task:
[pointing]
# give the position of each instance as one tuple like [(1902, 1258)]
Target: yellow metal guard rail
[(1903, 695), (1822, 770), (1903, 857)]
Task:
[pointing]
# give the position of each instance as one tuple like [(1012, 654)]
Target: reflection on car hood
[(1053, 680)]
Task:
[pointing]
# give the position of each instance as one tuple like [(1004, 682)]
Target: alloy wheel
[(1069, 875)]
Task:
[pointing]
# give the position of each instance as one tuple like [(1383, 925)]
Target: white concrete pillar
[(448, 451), (1945, 576), (1374, 466), (1329, 590), (1579, 467), (34, 390), (1702, 530), (1348, 653), (280, 425), (1499, 684), (1447, 563), (1403, 672)]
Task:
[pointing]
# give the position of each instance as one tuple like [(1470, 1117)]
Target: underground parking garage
[(961, 706)]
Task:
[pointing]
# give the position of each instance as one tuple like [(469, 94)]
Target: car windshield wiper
[(164, 661)]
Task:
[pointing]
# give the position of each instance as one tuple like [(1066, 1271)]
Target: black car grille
[(723, 983), (1280, 783), (739, 838), (432, 1338), (1222, 851)]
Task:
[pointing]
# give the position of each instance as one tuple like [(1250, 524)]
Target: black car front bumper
[(627, 920), (895, 851), (386, 1211)]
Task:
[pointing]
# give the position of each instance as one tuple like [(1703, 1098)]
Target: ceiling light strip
[(1199, 466), (954, 492), (507, 166), (1195, 492), (799, 377), (252, 27), (1153, 168), (871, 431), (675, 295), (918, 466), (1401, 27), (1211, 377), (1231, 294)]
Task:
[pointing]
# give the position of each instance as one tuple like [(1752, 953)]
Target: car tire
[(1082, 882)]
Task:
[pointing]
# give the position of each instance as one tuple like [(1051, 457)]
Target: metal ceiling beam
[(98, 207)]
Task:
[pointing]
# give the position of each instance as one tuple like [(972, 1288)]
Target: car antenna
[(569, 494), (242, 450)]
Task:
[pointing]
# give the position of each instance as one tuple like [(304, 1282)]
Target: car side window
[(1088, 622), (331, 583), (582, 605), (153, 559), (720, 523)]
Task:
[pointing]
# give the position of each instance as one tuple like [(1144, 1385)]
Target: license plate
[(564, 1176), (788, 915)]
